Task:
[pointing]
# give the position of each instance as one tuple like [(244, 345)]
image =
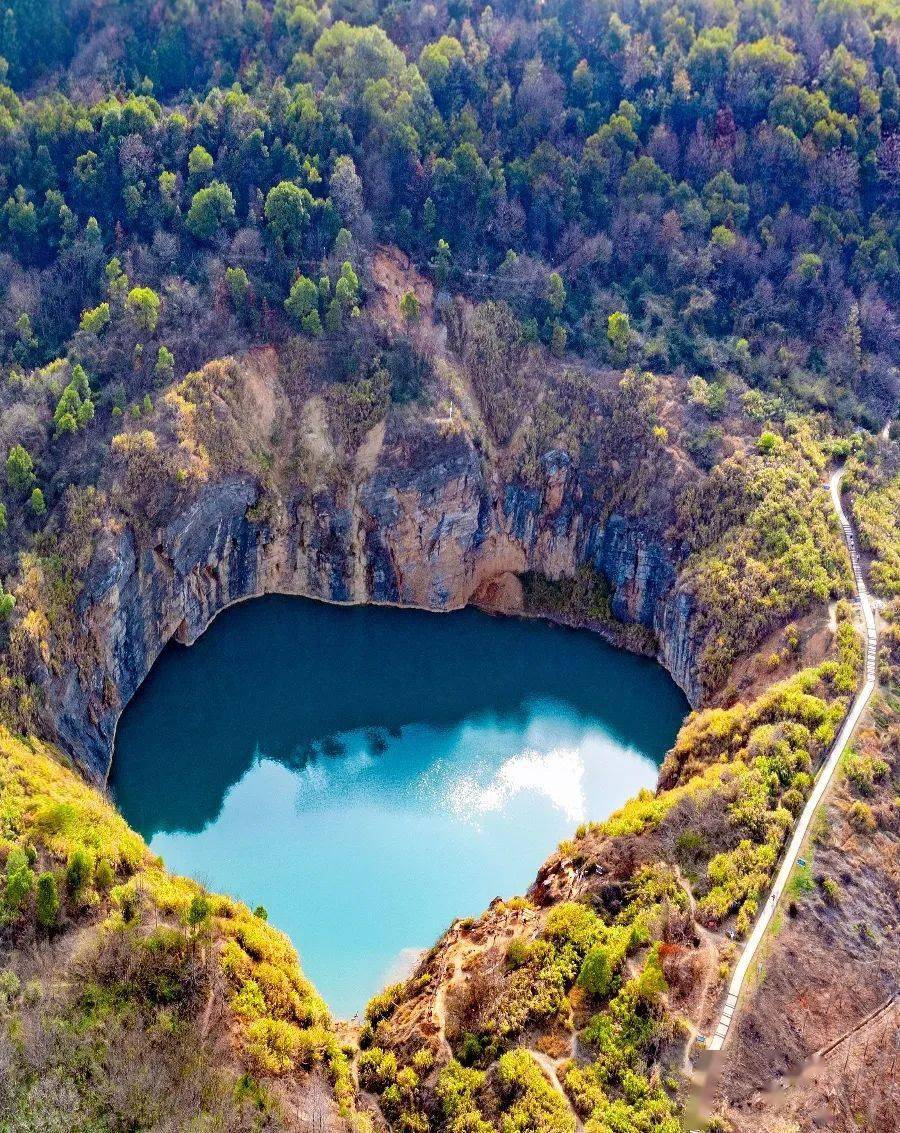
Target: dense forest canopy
[(703, 187)]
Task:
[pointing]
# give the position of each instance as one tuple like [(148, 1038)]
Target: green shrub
[(861, 818), (198, 910), (95, 320), (769, 442), (104, 875), (471, 1049), (303, 298), (287, 211), (19, 883), (165, 364), (377, 1069), (864, 771), (457, 1090), (238, 283), (200, 161), (746, 916), (381, 1005), (79, 872), (272, 1044), (19, 469), (10, 986), (143, 304), (47, 901), (75, 408), (517, 952), (690, 844), (575, 924), (409, 307), (212, 209), (598, 976), (831, 891), (718, 1124), (618, 332), (36, 502)]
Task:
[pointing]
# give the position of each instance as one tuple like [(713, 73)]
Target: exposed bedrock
[(437, 529)]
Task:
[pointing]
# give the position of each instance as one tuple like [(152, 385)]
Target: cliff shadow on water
[(290, 678)]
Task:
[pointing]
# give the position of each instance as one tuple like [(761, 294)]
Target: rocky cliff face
[(431, 525)]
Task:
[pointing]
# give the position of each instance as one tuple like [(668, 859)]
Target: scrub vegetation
[(127, 983)]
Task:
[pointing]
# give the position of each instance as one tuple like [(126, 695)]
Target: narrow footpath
[(551, 1067), (822, 782)]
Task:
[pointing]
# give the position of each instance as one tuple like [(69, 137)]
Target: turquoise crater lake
[(370, 774)]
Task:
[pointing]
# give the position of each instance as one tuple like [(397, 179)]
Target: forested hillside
[(712, 187), (563, 308)]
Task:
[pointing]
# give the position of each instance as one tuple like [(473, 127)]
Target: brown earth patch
[(394, 274)]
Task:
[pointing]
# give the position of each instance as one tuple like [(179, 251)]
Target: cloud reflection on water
[(556, 775)]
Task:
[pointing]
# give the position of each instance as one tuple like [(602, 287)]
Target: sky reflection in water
[(474, 745)]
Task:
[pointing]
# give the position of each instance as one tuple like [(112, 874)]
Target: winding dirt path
[(551, 1072), (461, 950), (439, 1010), (711, 951)]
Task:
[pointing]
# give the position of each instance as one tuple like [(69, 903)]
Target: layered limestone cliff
[(433, 526)]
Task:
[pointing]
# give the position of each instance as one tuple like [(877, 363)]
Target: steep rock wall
[(432, 528)]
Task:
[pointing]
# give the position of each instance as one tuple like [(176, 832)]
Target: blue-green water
[(369, 774)]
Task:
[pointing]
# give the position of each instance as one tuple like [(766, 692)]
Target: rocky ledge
[(430, 526)]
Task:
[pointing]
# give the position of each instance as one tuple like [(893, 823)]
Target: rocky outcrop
[(432, 525)]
